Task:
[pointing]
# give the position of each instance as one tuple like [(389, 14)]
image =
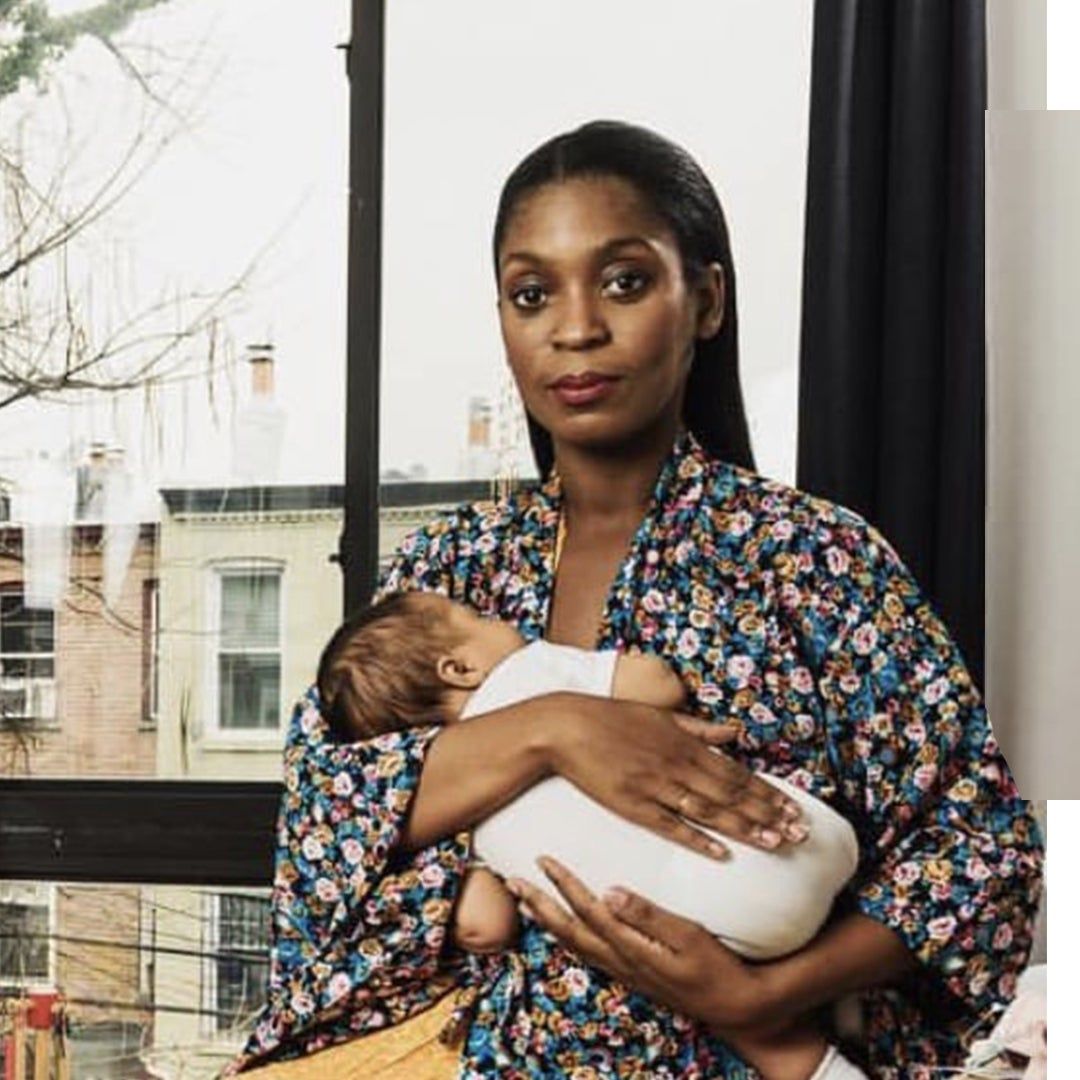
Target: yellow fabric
[(560, 542), (408, 1051)]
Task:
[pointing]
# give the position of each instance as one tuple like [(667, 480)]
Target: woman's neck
[(602, 484)]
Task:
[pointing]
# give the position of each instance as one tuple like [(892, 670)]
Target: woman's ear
[(712, 293), (454, 669)]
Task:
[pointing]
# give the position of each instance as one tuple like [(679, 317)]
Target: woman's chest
[(740, 659), (722, 629)]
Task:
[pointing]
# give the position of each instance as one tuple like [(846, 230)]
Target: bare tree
[(51, 344)]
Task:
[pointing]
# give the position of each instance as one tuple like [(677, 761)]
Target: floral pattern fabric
[(783, 612)]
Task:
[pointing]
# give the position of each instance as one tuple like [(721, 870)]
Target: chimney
[(90, 484), (479, 437), (261, 359)]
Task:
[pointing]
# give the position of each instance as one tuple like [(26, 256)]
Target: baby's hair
[(378, 672)]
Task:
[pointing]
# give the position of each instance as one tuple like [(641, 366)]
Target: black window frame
[(220, 833)]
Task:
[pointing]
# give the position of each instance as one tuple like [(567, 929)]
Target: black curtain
[(893, 352)]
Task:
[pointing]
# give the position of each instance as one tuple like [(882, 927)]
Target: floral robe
[(790, 615)]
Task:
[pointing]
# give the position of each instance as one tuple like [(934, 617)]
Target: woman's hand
[(662, 770), (649, 949)]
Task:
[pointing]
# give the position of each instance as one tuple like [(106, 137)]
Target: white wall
[(1033, 233), (473, 86), (1016, 80), (1016, 31)]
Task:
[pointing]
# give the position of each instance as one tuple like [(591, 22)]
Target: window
[(237, 969), (24, 935), (151, 595), (27, 661), (248, 661)]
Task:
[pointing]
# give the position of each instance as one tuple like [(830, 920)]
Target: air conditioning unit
[(28, 699)]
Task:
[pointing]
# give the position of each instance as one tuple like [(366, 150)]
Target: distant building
[(249, 595), (77, 699)]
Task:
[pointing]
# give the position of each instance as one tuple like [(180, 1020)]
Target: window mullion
[(153, 831)]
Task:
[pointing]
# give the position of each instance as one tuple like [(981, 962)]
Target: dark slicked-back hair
[(378, 672), (673, 185)]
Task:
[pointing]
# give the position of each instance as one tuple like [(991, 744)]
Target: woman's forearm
[(477, 766), (855, 953)]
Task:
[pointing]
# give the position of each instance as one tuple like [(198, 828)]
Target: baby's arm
[(794, 1054), (485, 919), (648, 679)]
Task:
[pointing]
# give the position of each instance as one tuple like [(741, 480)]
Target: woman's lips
[(583, 390)]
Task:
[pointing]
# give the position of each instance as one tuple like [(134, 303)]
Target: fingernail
[(791, 811), (615, 899), (526, 910), (769, 837), (796, 832), (513, 886), (718, 851)]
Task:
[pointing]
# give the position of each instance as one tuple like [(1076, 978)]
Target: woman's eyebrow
[(608, 248)]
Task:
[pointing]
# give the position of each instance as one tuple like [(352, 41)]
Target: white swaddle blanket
[(762, 904)]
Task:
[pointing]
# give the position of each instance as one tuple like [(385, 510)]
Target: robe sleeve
[(357, 927), (951, 855)]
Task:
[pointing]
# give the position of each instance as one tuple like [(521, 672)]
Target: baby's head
[(412, 658)]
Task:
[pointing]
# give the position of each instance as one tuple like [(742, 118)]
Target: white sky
[(472, 85)]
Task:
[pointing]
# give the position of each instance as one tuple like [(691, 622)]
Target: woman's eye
[(527, 296), (625, 283)]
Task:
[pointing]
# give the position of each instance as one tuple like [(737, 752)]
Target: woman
[(783, 613)]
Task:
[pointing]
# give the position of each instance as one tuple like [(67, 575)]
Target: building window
[(27, 659), (248, 661), (25, 951), (238, 959), (150, 646)]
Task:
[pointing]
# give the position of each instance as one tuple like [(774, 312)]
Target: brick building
[(78, 699)]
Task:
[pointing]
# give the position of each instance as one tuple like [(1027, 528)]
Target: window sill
[(272, 741), (29, 727)]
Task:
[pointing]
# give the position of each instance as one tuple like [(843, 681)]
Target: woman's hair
[(378, 672), (674, 186)]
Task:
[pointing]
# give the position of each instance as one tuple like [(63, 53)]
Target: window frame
[(151, 641), (32, 721), (214, 952), (67, 830), (214, 735), (30, 982)]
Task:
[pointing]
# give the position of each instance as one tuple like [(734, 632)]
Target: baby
[(415, 656)]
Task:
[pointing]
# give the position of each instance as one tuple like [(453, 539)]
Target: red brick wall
[(99, 729)]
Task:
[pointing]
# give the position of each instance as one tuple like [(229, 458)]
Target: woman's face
[(598, 320)]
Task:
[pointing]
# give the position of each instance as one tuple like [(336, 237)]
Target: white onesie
[(762, 904)]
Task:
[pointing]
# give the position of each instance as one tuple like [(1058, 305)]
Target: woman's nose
[(580, 322)]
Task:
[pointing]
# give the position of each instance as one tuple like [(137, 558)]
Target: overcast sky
[(471, 86)]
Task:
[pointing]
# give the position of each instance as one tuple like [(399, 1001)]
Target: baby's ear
[(454, 669)]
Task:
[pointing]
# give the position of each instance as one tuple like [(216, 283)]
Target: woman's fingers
[(757, 806), (742, 822), (708, 731), (599, 918), (673, 827), (655, 923), (568, 928)]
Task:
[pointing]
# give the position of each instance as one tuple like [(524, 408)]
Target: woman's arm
[(357, 930), (634, 759), (952, 856), (679, 963), (855, 953)]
